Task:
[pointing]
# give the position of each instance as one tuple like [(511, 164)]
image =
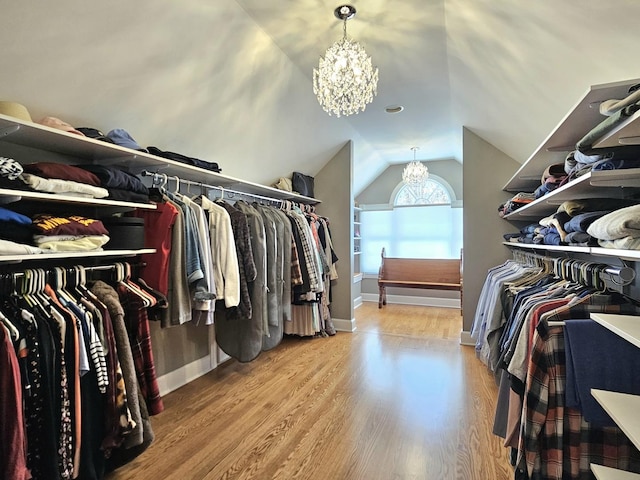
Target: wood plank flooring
[(399, 399)]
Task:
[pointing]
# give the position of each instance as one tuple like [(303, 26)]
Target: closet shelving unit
[(84, 149), (581, 119), (357, 246), (632, 255), (597, 184), (43, 143)]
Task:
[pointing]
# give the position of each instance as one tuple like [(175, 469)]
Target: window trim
[(452, 194)]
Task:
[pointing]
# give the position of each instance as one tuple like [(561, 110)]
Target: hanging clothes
[(13, 447), (550, 436), (241, 337), (244, 252), (226, 272), (274, 266)]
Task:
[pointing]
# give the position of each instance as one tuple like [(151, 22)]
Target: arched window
[(423, 223), (431, 192)]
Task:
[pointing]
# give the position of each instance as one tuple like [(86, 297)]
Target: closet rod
[(157, 176), (88, 269), (626, 275)]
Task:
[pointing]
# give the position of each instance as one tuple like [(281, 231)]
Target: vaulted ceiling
[(507, 70), (231, 81)]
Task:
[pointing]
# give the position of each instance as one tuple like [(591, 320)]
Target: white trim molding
[(466, 338), (343, 325), (187, 373), (409, 300)]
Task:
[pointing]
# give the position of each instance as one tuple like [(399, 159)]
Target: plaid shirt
[(296, 272), (137, 321), (555, 441), (309, 251)]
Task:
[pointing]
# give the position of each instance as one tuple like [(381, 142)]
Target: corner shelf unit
[(357, 246)]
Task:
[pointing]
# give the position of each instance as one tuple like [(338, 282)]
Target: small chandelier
[(345, 82), (415, 173)]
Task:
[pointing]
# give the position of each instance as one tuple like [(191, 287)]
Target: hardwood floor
[(399, 399)]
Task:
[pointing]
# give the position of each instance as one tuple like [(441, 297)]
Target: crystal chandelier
[(345, 82), (415, 173)]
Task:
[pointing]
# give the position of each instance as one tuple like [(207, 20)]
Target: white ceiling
[(508, 70), (231, 81)]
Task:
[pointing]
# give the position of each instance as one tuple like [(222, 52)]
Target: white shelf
[(36, 136), (595, 184), (549, 248), (623, 409), (626, 326), (633, 255), (54, 197), (66, 255), (607, 473), (625, 133), (575, 125)]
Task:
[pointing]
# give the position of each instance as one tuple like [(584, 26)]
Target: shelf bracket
[(629, 140), (6, 131)]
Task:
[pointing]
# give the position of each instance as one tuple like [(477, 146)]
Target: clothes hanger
[(29, 288), (148, 300), (156, 191), (60, 275), (14, 333), (122, 279)]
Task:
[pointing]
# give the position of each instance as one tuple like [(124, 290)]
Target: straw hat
[(16, 110)]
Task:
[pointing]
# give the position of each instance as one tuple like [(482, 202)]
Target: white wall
[(486, 170), (194, 77)]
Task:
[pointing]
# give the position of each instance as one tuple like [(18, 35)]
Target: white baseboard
[(466, 339), (408, 300), (187, 373), (357, 302), (343, 325)]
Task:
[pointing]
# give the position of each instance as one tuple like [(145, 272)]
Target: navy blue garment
[(597, 358), (112, 177), (581, 222), (580, 239)]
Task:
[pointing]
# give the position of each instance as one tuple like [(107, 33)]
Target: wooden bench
[(426, 273)]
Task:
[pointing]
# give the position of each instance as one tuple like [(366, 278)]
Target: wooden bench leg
[(381, 296)]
